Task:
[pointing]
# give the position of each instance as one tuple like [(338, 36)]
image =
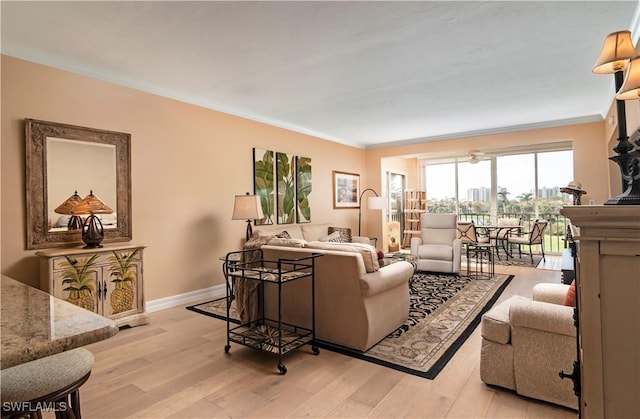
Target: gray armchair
[(438, 248)]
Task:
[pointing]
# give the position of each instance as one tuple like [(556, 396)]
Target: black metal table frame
[(497, 239), (476, 255)]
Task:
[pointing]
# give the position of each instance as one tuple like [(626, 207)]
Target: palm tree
[(503, 199), (525, 202), (525, 196)]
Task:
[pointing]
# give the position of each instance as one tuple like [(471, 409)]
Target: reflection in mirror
[(78, 166), (62, 159)]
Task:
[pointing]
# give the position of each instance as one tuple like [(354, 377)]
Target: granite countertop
[(35, 324)]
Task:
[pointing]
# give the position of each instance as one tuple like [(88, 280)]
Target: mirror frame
[(36, 134)]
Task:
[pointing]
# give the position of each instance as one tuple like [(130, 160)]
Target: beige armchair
[(526, 343), (438, 248)]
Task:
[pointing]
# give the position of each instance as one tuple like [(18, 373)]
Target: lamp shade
[(631, 86), (617, 50), (378, 202), (67, 206), (91, 204), (247, 207)]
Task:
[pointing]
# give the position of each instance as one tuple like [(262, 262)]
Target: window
[(441, 187), (474, 187), (525, 185), (516, 183)]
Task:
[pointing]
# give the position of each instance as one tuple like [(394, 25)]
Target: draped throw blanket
[(247, 290)]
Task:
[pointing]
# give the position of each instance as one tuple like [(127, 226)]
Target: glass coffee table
[(394, 257)]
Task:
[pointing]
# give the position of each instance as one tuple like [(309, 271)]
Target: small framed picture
[(346, 190)]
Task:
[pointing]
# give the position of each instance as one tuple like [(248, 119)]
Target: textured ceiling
[(361, 73)]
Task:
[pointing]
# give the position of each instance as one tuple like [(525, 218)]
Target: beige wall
[(187, 164)]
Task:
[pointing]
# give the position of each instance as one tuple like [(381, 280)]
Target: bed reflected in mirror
[(75, 168)]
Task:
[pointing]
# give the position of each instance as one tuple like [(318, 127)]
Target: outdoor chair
[(532, 238), (503, 231), (468, 234)]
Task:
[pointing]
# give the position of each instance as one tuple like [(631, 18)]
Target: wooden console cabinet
[(608, 278), (106, 280)]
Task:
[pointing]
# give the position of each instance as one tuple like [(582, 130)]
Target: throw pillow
[(333, 237), (345, 233), (570, 297)]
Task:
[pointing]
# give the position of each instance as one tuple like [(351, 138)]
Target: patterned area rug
[(445, 310)]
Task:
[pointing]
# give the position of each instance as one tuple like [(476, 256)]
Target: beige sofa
[(357, 302), (526, 343)]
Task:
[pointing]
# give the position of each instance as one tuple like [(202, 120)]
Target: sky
[(515, 173)]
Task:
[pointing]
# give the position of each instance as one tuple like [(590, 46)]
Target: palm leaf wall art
[(263, 186), (285, 188), (303, 189)]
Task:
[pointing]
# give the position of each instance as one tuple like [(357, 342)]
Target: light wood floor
[(176, 367)]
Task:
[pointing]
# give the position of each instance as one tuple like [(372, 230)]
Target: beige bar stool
[(49, 383)]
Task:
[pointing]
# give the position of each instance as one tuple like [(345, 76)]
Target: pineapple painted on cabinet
[(107, 280)]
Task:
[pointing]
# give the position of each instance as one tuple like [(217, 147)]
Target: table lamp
[(247, 207)]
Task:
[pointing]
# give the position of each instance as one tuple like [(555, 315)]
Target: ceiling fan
[(473, 156)]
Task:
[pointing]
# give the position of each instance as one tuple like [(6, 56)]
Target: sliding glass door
[(523, 185)]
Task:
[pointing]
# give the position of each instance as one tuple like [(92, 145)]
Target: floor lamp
[(614, 58), (374, 202)]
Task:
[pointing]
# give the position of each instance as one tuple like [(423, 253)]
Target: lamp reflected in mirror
[(92, 229), (66, 208)]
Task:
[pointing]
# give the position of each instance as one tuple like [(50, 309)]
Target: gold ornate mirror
[(64, 159)]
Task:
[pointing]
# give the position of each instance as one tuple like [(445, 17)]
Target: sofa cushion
[(368, 252), (495, 323), (435, 252), (313, 232)]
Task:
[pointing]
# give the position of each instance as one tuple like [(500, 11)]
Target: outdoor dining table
[(498, 228)]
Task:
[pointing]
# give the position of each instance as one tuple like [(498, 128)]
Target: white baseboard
[(186, 298)]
